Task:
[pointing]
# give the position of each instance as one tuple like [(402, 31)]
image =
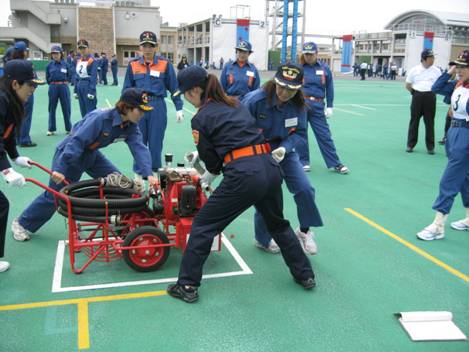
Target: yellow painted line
[(409, 245), (108, 103), (83, 327), (82, 305)]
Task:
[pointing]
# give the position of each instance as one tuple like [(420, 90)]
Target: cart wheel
[(146, 259)]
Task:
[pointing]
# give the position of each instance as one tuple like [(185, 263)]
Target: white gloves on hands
[(207, 179), (278, 154), (179, 116), (75, 95), (90, 96), (328, 112), (13, 178), (23, 161)]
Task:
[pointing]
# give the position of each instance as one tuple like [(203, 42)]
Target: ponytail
[(213, 91)]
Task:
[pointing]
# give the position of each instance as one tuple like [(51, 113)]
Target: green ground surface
[(363, 276)]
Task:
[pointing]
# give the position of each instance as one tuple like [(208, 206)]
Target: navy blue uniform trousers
[(247, 181), (4, 208)]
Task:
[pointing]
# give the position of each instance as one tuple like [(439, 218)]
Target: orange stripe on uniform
[(7, 132), (138, 68)]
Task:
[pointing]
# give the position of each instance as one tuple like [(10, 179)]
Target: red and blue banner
[(428, 40), (346, 64), (242, 30)]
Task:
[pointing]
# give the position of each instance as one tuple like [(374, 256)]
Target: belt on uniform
[(59, 82), (250, 150), (459, 123), (319, 100)]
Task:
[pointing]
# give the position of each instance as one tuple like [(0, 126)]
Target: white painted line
[(187, 110), (56, 286), (349, 112), (108, 103), (363, 107)]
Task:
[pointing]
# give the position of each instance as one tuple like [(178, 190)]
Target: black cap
[(462, 60), (189, 78), (426, 54), (148, 37), (290, 76), (82, 43), (21, 70), (136, 98)]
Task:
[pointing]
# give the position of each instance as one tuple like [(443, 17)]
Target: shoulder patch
[(195, 135)]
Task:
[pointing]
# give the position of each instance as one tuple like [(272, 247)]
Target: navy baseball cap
[(21, 46), (56, 49), (82, 43), (190, 77), (426, 54), (462, 60), (244, 45), (136, 98), (148, 37), (310, 48), (290, 76), (21, 70)]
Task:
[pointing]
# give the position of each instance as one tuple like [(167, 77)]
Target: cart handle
[(45, 169), (47, 188)]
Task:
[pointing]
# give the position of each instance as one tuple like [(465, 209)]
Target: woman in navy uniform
[(280, 113), (455, 178), (58, 75), (240, 77), (79, 153), (16, 86), (114, 69), (228, 141), (317, 88), (86, 77)]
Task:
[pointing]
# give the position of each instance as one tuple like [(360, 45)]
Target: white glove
[(207, 179), (328, 112), (23, 161), (90, 96), (179, 116), (75, 95), (13, 178), (278, 154)]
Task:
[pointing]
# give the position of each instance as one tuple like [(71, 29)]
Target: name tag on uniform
[(119, 139), (291, 122), (155, 73), (63, 70), (319, 72), (250, 73)]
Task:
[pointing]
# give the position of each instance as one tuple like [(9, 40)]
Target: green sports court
[(369, 265)]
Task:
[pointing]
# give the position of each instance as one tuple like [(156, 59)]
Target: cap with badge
[(462, 60), (56, 49), (148, 37), (82, 43), (310, 48), (21, 70), (21, 46), (290, 76), (135, 97), (427, 53), (190, 77), (244, 45)]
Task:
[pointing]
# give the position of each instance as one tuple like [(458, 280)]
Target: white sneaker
[(307, 241), (50, 133), (461, 225), (431, 232), (272, 248), (307, 168), (4, 266), (19, 232)]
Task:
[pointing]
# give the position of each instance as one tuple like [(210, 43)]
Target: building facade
[(407, 35)]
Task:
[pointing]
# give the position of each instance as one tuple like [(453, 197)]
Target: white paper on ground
[(430, 326)]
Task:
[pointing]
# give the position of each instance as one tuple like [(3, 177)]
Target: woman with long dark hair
[(58, 76), (16, 86), (280, 112), (79, 153), (228, 141)]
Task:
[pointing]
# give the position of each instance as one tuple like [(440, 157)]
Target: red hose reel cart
[(106, 222)]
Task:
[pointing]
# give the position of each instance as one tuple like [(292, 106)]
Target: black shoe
[(442, 142), (28, 145), (409, 150), (187, 293), (431, 152), (307, 284)]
